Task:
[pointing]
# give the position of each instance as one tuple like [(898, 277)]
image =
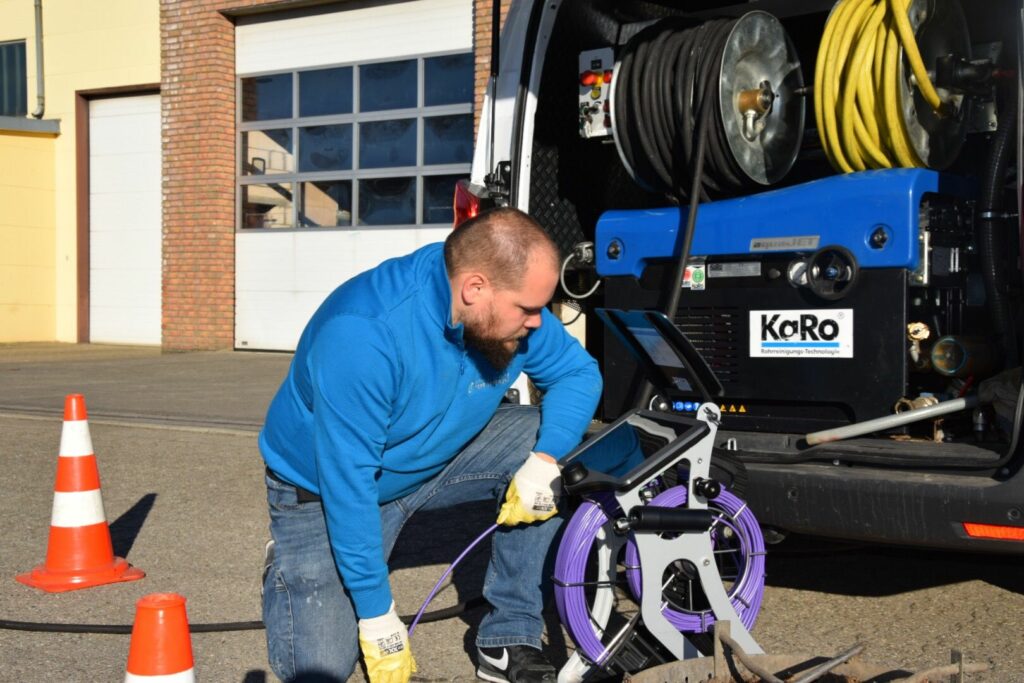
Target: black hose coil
[(666, 74)]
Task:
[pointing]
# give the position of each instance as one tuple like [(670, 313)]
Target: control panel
[(595, 80)]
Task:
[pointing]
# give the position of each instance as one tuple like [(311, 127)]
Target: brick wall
[(482, 10), (197, 44), (198, 120)]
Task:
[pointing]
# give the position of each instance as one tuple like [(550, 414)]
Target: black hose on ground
[(124, 629)]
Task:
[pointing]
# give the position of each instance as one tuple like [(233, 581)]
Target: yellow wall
[(27, 225), (87, 45)]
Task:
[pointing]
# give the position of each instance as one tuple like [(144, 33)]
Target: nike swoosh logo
[(500, 664)]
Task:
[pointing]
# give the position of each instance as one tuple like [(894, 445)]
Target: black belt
[(301, 494)]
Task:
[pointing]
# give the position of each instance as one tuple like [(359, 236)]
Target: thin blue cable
[(437, 586)]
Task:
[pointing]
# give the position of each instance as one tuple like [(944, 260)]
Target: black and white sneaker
[(514, 664)]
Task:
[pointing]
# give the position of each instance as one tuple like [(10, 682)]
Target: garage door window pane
[(386, 144), (438, 194), (448, 79), (388, 85), (325, 91), (326, 203), (448, 139), (267, 206), (325, 148), (267, 151), (267, 97), (387, 201), (362, 144)]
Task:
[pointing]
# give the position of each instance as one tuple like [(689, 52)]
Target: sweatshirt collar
[(441, 291)]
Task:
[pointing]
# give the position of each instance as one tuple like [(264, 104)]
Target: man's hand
[(384, 641), (532, 496)]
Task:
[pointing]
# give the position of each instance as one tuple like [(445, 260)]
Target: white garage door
[(124, 220), (355, 123)]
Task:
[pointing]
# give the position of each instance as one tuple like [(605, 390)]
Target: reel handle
[(657, 519)]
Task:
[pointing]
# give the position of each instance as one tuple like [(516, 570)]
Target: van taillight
[(466, 204), (999, 532)]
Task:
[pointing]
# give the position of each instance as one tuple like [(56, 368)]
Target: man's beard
[(498, 352)]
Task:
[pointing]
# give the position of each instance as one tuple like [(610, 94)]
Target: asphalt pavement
[(182, 487), (175, 438)]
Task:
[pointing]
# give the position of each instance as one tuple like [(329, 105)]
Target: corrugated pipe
[(40, 88)]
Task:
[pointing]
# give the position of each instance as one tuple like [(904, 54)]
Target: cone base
[(60, 582)]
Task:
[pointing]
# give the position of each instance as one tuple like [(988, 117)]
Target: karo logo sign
[(818, 333)]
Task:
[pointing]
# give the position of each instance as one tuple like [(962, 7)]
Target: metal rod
[(945, 670), (823, 668), (890, 421), (747, 661)]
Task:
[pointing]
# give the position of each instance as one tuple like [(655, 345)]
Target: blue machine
[(796, 296), (846, 210)]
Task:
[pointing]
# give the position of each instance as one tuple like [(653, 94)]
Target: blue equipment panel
[(840, 210)]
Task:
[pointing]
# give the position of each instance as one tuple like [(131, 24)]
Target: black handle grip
[(664, 520)]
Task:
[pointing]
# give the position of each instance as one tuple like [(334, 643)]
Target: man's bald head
[(499, 243)]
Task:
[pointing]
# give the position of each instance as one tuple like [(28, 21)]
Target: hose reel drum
[(741, 77), (892, 84), (759, 97)]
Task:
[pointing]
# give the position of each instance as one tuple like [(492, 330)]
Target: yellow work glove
[(532, 496), (384, 641)]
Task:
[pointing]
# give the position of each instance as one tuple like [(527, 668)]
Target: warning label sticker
[(815, 333)]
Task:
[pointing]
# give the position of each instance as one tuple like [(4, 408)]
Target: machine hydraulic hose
[(991, 236), (859, 104)]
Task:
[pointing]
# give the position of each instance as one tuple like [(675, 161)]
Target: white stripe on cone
[(182, 677), (78, 508), (75, 439)]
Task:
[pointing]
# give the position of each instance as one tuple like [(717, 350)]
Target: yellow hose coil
[(856, 88)]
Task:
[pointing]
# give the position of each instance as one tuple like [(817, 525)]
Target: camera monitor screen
[(669, 360), (636, 445)]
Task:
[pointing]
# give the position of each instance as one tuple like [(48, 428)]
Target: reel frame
[(656, 549)]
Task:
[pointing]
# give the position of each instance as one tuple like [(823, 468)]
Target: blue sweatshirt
[(382, 394)]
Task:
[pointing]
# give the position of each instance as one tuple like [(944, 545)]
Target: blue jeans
[(310, 620)]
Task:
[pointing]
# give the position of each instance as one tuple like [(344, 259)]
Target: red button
[(588, 78)]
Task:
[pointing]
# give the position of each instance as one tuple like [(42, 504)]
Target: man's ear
[(475, 286)]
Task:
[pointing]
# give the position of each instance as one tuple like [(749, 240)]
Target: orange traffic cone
[(161, 647), (80, 553)]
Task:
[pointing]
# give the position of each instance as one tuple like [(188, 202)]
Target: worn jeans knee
[(311, 625)]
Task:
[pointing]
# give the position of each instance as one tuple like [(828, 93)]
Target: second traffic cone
[(161, 647), (80, 553)]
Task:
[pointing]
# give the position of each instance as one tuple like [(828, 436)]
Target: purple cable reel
[(640, 551)]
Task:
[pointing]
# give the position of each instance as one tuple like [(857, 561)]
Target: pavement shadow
[(842, 568), (125, 529)]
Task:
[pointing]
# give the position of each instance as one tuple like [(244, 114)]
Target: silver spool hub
[(761, 109), (940, 29)]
